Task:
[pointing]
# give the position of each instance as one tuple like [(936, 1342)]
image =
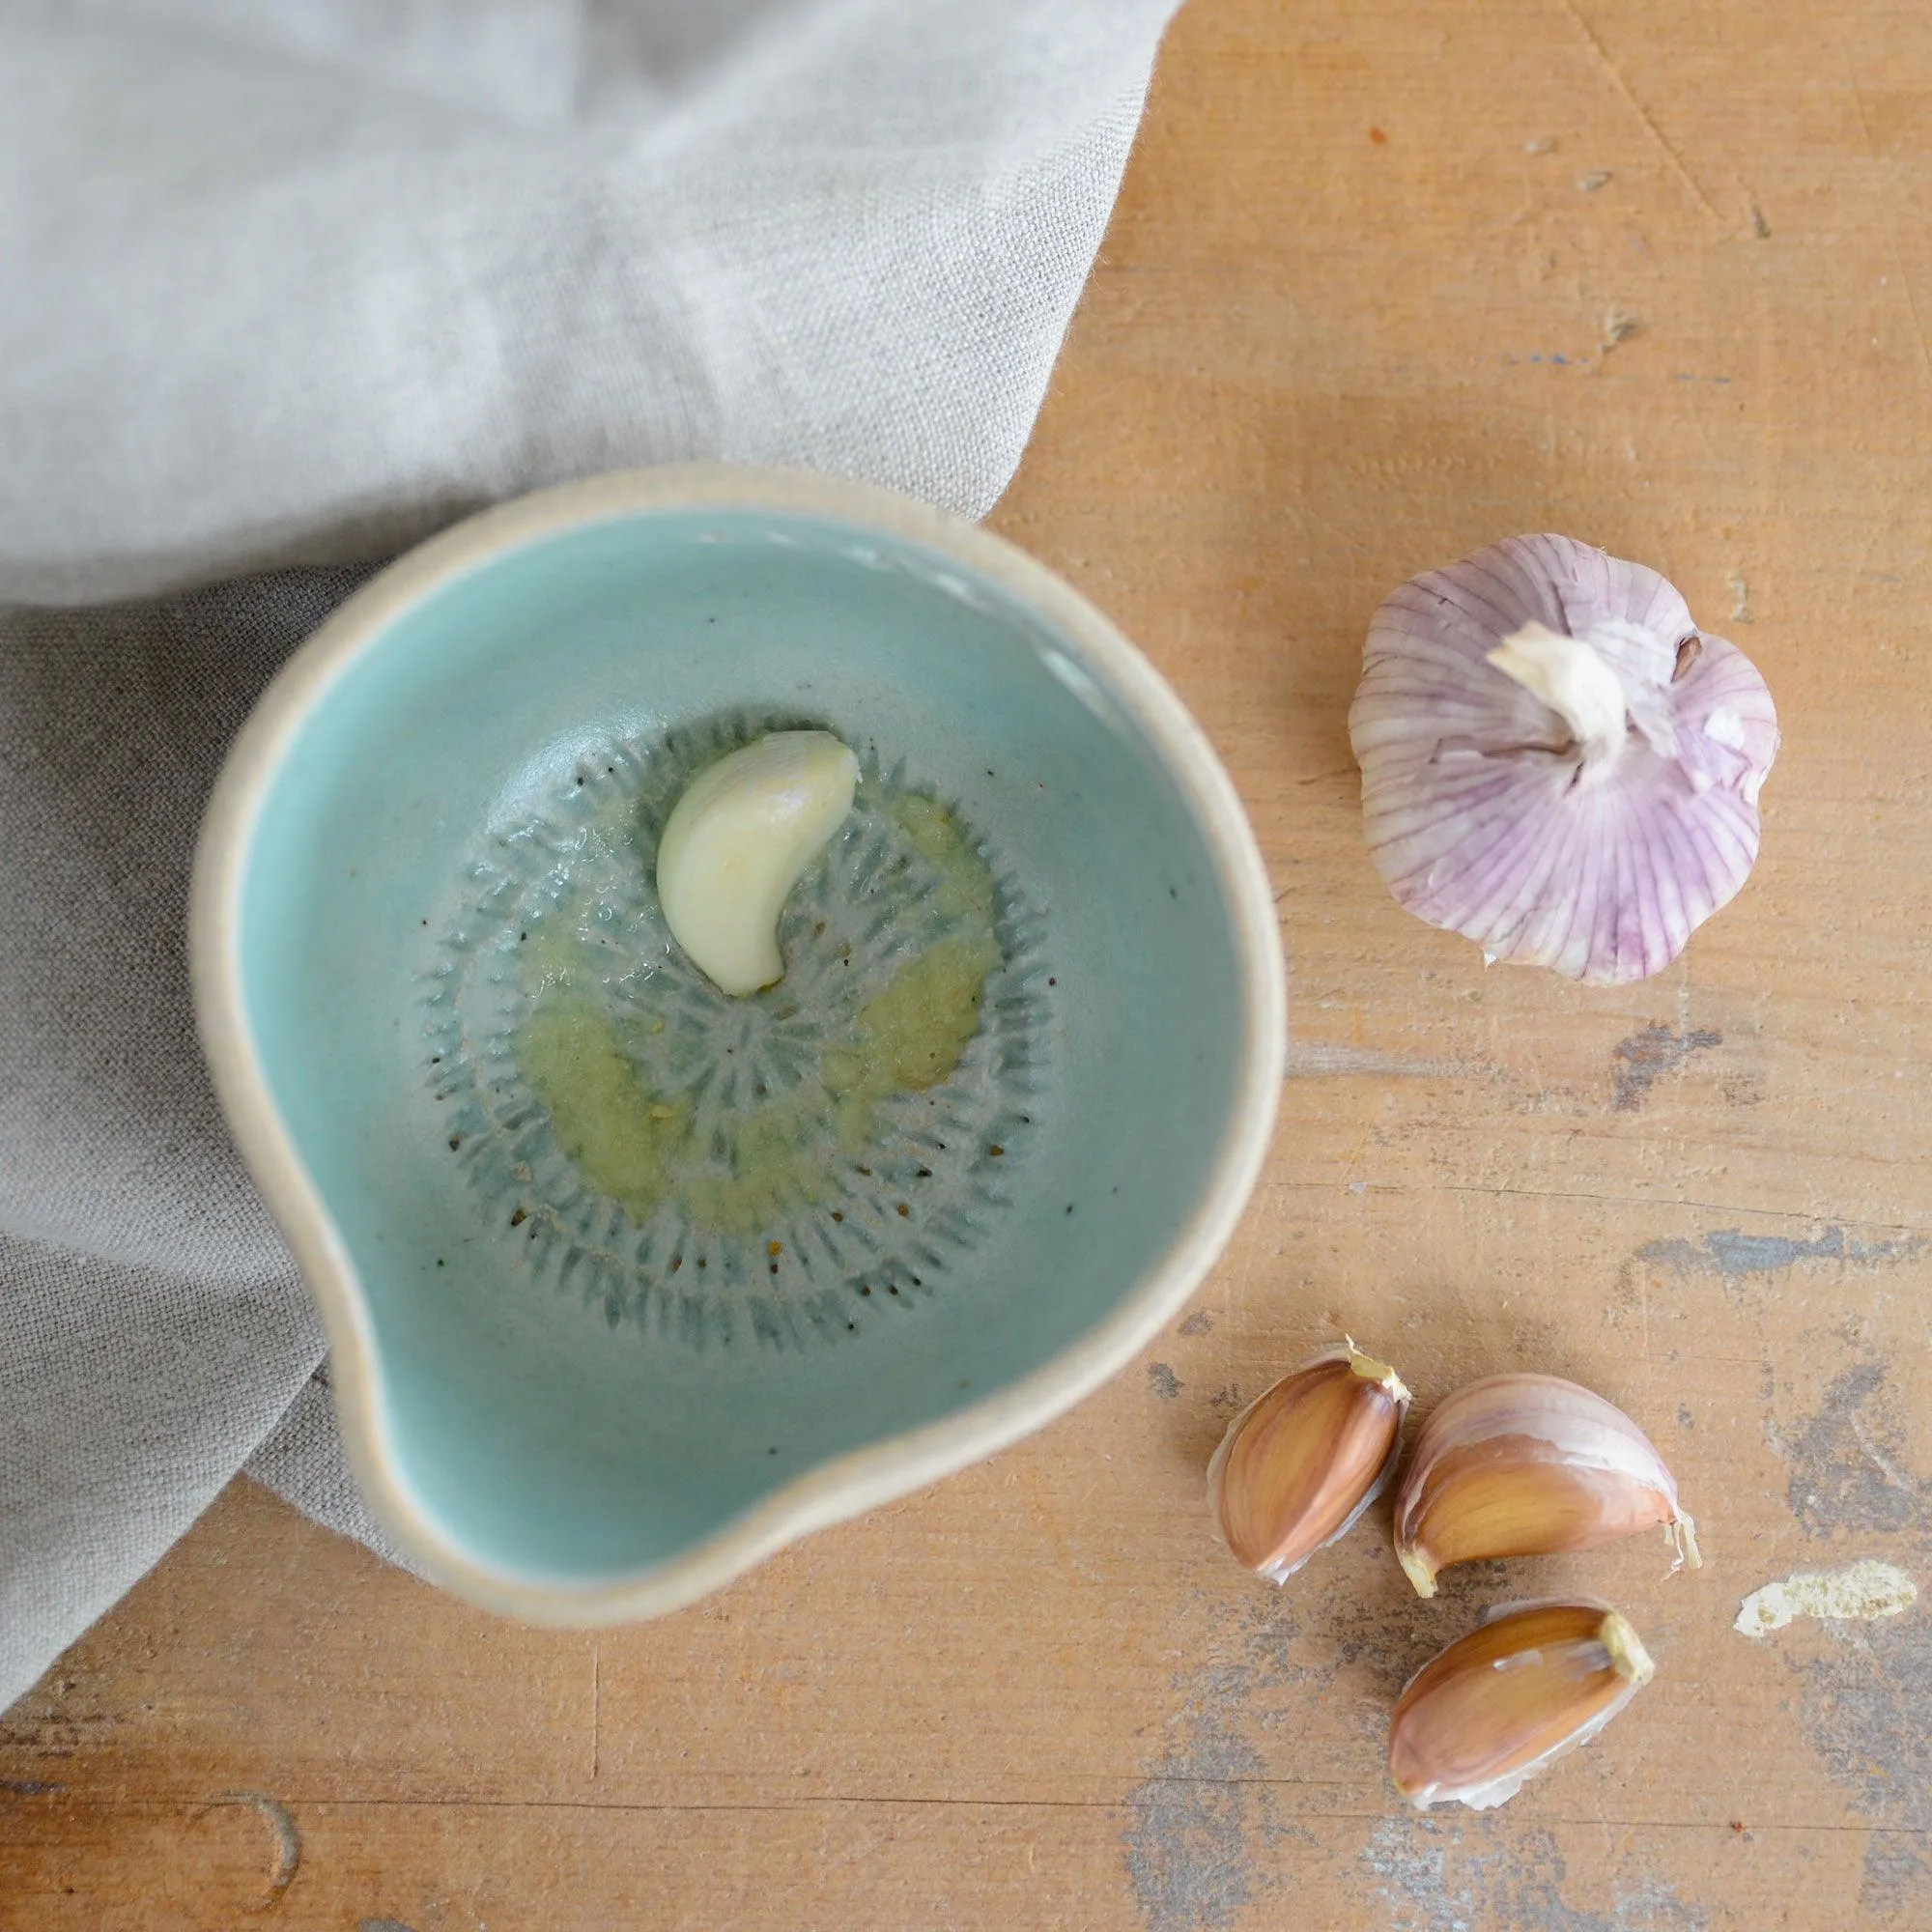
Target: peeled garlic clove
[(738, 840), (1529, 1465), (1555, 761), (1482, 1717), (1301, 1463)]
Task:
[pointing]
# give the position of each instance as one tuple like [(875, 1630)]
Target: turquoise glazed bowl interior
[(584, 1373)]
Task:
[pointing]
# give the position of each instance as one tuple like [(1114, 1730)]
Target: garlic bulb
[(1482, 1717), (1302, 1462), (1529, 1465), (739, 839), (1556, 762)]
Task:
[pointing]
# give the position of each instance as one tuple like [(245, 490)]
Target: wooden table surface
[(1387, 281)]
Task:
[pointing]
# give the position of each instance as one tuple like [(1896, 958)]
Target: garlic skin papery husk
[(1302, 1462), (1556, 762), (1484, 1716), (1530, 1465)]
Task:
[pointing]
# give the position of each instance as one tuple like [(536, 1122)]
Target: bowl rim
[(878, 1471)]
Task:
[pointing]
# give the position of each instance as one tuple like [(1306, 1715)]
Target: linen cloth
[(284, 285)]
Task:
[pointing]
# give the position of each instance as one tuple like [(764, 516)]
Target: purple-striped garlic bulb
[(1556, 762)]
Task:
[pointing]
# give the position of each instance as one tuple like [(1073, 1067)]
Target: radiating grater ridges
[(869, 905)]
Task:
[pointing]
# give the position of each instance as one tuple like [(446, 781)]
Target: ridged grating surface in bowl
[(868, 1226)]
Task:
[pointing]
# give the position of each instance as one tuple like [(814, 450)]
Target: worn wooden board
[(1351, 320)]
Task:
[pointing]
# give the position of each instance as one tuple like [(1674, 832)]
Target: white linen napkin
[(290, 283)]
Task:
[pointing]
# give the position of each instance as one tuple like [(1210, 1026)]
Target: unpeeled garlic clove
[(1302, 1462), (1499, 1705), (1529, 1465), (739, 839)]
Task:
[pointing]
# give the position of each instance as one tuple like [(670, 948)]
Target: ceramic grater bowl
[(572, 1394)]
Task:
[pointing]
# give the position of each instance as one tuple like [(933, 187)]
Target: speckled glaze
[(548, 1401)]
